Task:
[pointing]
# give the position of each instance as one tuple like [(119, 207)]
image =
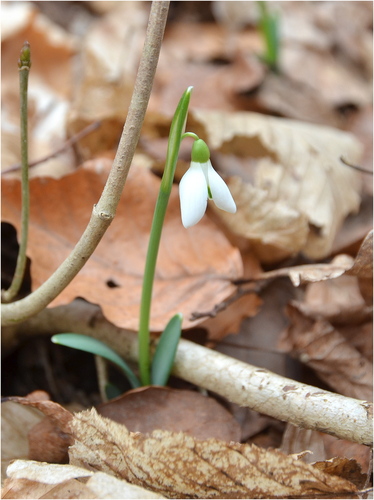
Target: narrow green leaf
[(94, 346), (112, 391), (166, 349)]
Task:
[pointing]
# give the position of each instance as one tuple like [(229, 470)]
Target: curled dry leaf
[(363, 268), (343, 467), (301, 192), (322, 347), (149, 408), (324, 447), (194, 267), (48, 439), (179, 466), (312, 272), (16, 421)]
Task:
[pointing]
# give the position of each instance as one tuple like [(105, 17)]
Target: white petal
[(193, 193), (220, 192)]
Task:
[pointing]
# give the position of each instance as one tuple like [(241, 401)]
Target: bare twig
[(24, 65), (247, 385), (356, 167), (240, 292), (66, 145), (104, 212)]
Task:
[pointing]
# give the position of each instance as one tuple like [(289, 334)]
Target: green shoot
[(269, 26), (163, 359), (94, 346)]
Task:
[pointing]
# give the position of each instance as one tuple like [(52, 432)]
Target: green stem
[(175, 138), (24, 65)]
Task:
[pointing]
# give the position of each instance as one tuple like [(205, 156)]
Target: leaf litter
[(194, 268), (279, 160)]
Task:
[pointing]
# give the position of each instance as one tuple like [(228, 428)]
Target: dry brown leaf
[(106, 486), (325, 447), (110, 57), (52, 51), (332, 43), (49, 438), (149, 408), (310, 273), (29, 479), (55, 412), (300, 193), (179, 466), (16, 421), (363, 268), (338, 301), (363, 265), (194, 266), (229, 320), (343, 467), (322, 347)]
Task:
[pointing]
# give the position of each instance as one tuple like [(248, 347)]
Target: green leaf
[(166, 349), (112, 391), (94, 346)]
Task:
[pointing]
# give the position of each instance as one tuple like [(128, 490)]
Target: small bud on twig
[(24, 61)]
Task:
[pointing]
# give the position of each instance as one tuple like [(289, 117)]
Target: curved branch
[(104, 212), (247, 385)]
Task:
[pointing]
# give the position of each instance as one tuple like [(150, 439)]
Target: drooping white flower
[(200, 183)]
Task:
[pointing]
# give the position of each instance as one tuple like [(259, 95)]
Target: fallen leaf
[(228, 320), (323, 348), (106, 486), (16, 421), (363, 264), (194, 267), (363, 268), (48, 443), (343, 467), (29, 479), (324, 447), (339, 301), (310, 273), (49, 438), (149, 408), (50, 86), (55, 412), (110, 55), (179, 466), (300, 192)]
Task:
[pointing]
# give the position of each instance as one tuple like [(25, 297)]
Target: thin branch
[(247, 385), (104, 212), (240, 292), (24, 65), (66, 145), (356, 167)]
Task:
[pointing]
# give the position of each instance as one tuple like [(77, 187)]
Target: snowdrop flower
[(200, 183)]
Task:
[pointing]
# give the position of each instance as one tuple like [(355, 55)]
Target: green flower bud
[(200, 151)]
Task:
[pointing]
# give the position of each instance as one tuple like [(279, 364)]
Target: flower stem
[(24, 65), (175, 138)]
